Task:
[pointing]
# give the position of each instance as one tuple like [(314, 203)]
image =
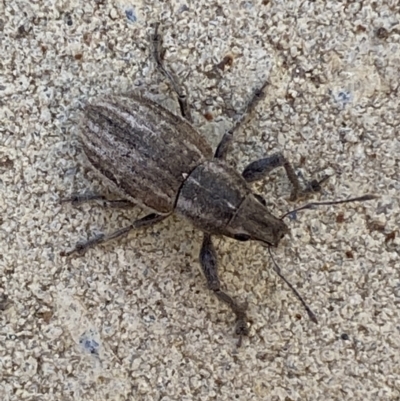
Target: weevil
[(158, 160)]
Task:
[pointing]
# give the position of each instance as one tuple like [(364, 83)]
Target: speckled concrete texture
[(132, 319)]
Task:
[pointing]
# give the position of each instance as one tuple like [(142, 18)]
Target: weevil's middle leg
[(149, 220), (260, 168), (224, 145), (209, 264), (176, 86)]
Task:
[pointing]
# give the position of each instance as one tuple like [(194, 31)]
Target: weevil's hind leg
[(224, 145), (209, 264), (146, 221), (78, 199), (158, 52), (260, 168)]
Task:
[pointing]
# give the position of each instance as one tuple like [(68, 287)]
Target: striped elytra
[(145, 150)]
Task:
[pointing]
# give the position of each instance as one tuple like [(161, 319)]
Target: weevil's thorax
[(215, 198)]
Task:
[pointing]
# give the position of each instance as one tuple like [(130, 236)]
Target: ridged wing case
[(145, 150)]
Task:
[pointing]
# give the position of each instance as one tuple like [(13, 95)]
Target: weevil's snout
[(254, 222)]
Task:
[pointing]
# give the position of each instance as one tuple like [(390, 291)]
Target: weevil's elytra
[(158, 160), (144, 149)]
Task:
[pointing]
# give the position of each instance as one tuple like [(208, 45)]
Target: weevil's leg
[(260, 168), (209, 264), (78, 199), (146, 221), (158, 52), (224, 145)]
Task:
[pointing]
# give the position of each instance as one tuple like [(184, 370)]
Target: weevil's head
[(254, 222)]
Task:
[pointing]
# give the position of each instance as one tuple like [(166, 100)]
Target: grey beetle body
[(157, 159)]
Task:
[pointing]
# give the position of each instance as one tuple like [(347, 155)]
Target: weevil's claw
[(241, 330), (80, 249), (315, 186), (312, 186), (311, 315)]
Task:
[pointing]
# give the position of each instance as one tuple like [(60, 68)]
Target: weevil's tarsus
[(209, 264), (146, 221), (312, 205), (315, 185), (277, 270), (224, 145), (158, 53)]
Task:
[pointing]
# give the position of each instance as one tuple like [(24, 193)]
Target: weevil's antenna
[(277, 270), (312, 205)]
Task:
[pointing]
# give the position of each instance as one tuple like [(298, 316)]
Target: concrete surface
[(133, 320)]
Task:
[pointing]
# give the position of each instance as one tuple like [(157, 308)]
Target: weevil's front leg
[(260, 168), (146, 221), (78, 199), (209, 264), (224, 145), (158, 52)]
